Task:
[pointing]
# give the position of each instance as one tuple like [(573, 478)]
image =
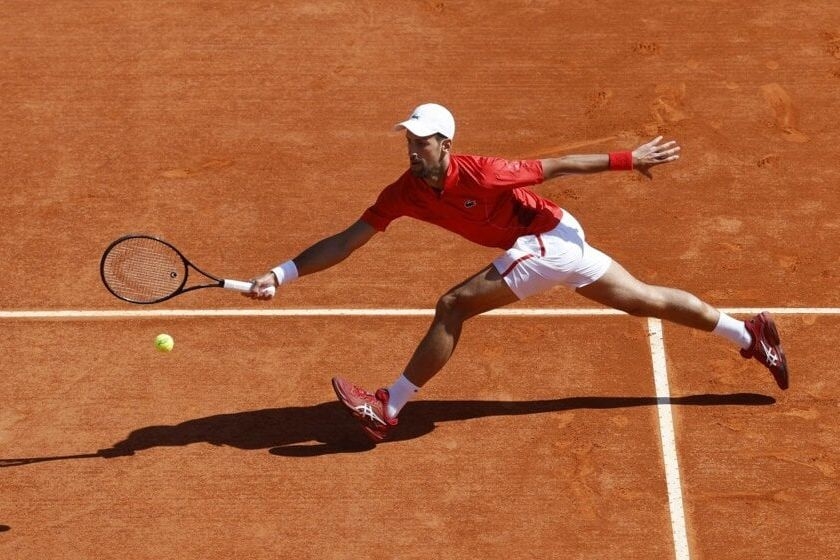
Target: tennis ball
[(164, 342)]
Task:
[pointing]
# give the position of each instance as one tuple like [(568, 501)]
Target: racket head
[(143, 269)]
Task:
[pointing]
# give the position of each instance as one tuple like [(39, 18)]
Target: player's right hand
[(263, 287)]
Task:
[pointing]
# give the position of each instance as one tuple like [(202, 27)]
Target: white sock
[(734, 330), (400, 393)]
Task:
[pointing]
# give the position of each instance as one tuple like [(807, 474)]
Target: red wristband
[(621, 161)]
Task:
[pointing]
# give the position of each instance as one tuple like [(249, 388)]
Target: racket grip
[(241, 286)]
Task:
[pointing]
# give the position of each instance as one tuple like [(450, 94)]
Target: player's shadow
[(327, 428)]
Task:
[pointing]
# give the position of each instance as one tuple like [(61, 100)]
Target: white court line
[(669, 445), (365, 312)]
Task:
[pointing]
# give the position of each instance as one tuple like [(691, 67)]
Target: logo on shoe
[(366, 411), (770, 354)]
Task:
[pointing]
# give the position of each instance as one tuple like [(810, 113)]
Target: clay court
[(242, 132)]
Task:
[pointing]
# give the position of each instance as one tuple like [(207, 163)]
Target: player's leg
[(758, 338), (620, 290), (483, 292), (562, 256), (378, 411)]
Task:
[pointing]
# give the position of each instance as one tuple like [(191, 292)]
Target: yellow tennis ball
[(164, 342)]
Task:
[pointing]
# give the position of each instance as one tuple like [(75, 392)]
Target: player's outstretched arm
[(322, 255), (642, 158)]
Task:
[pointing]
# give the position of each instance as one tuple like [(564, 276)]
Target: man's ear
[(446, 144)]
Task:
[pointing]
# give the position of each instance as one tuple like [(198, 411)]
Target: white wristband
[(285, 273)]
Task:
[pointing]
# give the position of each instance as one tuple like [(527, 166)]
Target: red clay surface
[(244, 133)]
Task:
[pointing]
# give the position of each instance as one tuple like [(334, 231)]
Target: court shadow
[(327, 428)]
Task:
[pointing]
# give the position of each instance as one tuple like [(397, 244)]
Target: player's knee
[(447, 305), (452, 307)]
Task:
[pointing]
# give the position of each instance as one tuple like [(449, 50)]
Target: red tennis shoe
[(371, 410), (767, 347)]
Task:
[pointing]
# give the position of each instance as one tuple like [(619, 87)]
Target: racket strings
[(143, 270)]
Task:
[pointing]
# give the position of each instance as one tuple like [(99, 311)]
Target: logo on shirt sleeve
[(470, 203)]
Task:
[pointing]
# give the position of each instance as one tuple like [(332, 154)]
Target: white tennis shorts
[(561, 256)]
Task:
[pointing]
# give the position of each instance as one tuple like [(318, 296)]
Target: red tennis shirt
[(484, 199)]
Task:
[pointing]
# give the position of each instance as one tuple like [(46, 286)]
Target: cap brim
[(416, 127)]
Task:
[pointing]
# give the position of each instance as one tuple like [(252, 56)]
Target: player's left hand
[(653, 153)]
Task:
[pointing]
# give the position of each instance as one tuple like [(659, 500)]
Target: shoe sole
[(772, 332), (373, 436)]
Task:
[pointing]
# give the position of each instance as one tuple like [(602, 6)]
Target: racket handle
[(241, 286)]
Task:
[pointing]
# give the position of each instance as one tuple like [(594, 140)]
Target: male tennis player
[(488, 200)]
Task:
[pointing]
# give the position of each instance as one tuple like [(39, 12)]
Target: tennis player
[(489, 201)]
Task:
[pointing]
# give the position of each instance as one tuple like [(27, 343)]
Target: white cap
[(429, 119)]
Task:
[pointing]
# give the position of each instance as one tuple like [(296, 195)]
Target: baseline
[(366, 312)]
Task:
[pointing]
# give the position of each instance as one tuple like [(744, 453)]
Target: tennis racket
[(144, 269)]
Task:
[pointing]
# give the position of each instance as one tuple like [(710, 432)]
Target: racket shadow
[(327, 428)]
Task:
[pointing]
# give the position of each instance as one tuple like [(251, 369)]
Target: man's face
[(426, 155)]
